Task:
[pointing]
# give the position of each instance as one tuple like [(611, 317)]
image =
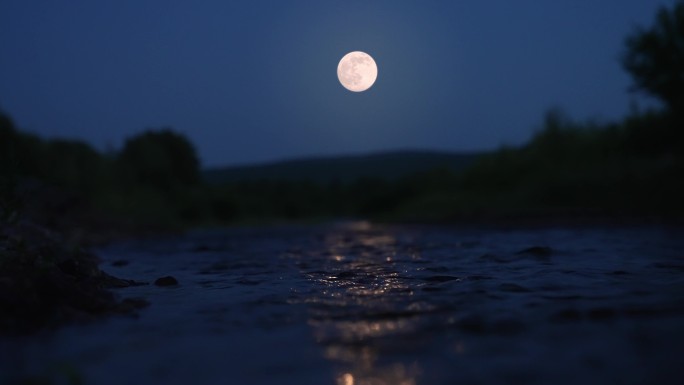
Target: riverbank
[(47, 281)]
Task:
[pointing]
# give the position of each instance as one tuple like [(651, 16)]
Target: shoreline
[(47, 281)]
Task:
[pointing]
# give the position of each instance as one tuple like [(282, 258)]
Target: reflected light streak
[(365, 301), (397, 375), (359, 330), (346, 379)]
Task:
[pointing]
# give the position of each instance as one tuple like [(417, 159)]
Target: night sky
[(256, 81)]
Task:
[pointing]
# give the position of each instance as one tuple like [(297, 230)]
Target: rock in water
[(166, 281), (537, 252)]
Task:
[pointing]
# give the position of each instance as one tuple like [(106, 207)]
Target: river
[(355, 303)]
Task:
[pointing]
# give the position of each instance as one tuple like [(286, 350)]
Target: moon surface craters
[(357, 71)]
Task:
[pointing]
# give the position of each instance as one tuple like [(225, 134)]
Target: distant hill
[(386, 165)]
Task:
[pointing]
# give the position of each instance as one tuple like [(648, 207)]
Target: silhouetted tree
[(162, 159), (8, 198), (655, 57), (7, 139), (73, 164)]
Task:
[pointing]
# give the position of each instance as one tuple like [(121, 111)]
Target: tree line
[(634, 165)]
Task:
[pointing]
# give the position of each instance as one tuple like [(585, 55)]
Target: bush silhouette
[(161, 159)]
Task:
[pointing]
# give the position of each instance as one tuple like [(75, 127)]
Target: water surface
[(361, 304)]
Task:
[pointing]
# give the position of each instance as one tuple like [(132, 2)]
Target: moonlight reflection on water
[(360, 275)]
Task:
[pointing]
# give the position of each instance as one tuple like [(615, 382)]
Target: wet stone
[(346, 275), (618, 272), (537, 251), (166, 281)]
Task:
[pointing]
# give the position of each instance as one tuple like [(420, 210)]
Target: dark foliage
[(631, 167), (161, 159), (655, 57), (9, 201)]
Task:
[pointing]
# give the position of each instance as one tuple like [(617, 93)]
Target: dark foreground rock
[(45, 282)]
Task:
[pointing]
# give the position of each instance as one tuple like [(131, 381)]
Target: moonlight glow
[(357, 71)]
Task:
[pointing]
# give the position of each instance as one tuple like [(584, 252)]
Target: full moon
[(357, 71)]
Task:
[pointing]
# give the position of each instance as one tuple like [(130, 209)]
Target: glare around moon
[(357, 71)]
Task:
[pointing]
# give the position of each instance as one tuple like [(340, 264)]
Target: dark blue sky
[(256, 80)]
